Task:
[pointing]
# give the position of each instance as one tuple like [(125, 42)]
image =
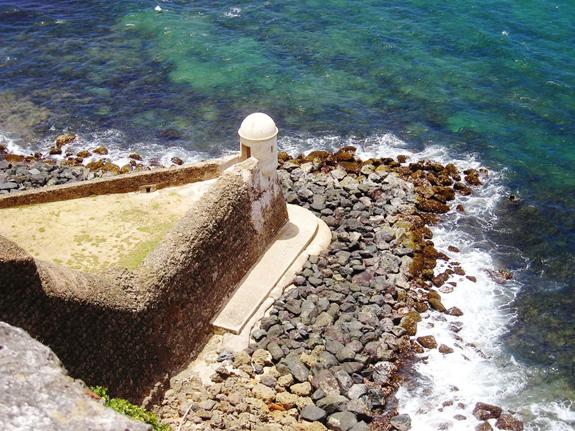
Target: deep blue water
[(491, 78)]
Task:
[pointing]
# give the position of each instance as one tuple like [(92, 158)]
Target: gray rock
[(360, 426), (308, 311), (318, 202), (313, 413), (327, 382), (315, 281), (383, 371), (8, 186), (333, 346), (327, 359), (258, 334), (293, 306), (268, 380), (42, 396), (344, 380), (299, 280), (357, 391), (324, 319), (378, 351), (332, 403), (207, 404), (401, 422), (360, 407), (345, 354), (296, 367), (354, 367), (276, 351), (342, 421)]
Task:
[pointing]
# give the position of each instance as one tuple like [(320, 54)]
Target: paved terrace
[(98, 232)]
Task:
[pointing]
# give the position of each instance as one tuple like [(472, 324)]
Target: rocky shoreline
[(329, 352), (59, 165)]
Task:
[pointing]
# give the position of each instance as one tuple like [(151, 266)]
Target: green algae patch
[(96, 233), (126, 408)]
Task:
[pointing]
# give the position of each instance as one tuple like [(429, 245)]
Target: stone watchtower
[(258, 139)]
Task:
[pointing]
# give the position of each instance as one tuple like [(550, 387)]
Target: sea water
[(488, 83)]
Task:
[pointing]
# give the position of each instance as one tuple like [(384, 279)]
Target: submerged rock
[(64, 139), (508, 422)]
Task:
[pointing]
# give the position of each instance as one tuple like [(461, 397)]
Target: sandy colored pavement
[(97, 232)]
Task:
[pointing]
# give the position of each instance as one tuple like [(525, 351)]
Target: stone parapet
[(131, 182)]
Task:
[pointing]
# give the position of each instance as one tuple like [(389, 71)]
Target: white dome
[(258, 127)]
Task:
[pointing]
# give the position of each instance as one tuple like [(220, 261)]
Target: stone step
[(251, 292)]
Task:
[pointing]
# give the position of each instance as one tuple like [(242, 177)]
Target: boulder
[(313, 413), (484, 411), (102, 151), (409, 322), (297, 368), (427, 341), (332, 403), (43, 396), (445, 349), (401, 422), (431, 206), (64, 139), (342, 421), (454, 311)]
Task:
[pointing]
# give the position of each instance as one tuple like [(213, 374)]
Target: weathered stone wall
[(158, 178), (127, 330)]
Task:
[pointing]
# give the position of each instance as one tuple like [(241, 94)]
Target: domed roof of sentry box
[(258, 127)]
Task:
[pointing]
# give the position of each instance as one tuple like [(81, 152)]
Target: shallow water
[(489, 81)]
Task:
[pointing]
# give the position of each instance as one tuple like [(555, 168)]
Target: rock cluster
[(19, 173), (21, 176), (505, 421)]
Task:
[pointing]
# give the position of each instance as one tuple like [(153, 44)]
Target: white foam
[(11, 146), (233, 12), (115, 141)]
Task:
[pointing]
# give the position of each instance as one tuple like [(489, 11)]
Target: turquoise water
[(495, 79)]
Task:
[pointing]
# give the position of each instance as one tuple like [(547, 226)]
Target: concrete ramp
[(291, 241)]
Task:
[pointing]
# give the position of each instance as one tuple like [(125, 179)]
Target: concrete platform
[(278, 263)]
